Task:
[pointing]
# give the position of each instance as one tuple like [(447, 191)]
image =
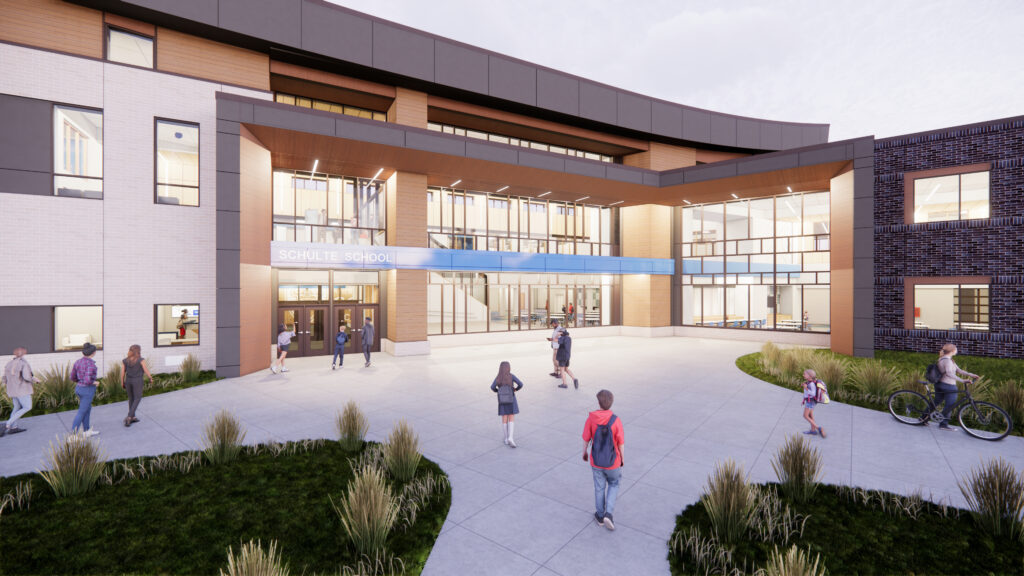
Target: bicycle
[(978, 418)]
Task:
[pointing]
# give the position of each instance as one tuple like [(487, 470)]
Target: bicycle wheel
[(909, 407), (984, 420)]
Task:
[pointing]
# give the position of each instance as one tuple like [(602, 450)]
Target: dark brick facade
[(991, 247)]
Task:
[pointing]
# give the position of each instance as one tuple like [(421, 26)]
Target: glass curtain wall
[(758, 264), (467, 302), (466, 220), (329, 209)]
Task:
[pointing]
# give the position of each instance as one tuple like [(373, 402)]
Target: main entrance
[(314, 303)]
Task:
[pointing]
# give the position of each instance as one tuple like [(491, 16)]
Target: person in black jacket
[(564, 353)]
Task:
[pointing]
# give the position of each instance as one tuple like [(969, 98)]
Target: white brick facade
[(125, 251)]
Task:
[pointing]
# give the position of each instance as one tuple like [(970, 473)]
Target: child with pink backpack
[(815, 393)]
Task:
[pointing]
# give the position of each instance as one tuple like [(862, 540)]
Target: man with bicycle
[(946, 390)]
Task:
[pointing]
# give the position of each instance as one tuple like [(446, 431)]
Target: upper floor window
[(329, 209), (329, 106), (77, 152), (953, 197), (129, 48), (177, 163), (502, 139)]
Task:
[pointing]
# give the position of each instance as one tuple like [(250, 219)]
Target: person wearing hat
[(83, 374), (19, 378), (555, 335)]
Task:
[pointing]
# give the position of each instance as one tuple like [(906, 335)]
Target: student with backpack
[(563, 355), (506, 385), (814, 393), (340, 339), (604, 435)]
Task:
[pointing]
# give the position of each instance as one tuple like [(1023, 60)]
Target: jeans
[(85, 395), (339, 356), (949, 394), (19, 406), (366, 352), (605, 502), (134, 389)]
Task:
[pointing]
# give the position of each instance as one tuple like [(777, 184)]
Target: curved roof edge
[(336, 32)]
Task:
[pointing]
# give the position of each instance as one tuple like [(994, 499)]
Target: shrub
[(797, 464), (367, 511), (729, 501), (190, 368), (55, 387), (401, 453), (352, 427), (222, 438), (831, 370), (111, 383), (253, 560), (1009, 395), (995, 495), (875, 379), (793, 562), (72, 465)]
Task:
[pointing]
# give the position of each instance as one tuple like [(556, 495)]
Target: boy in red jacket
[(606, 478)]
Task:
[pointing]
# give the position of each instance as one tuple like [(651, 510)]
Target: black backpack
[(603, 454), (933, 374), (506, 395)]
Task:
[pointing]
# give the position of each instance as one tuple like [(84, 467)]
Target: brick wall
[(992, 247)]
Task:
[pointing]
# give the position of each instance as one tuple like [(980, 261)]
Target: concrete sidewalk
[(526, 511)]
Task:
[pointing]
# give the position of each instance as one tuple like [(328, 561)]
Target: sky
[(867, 67)]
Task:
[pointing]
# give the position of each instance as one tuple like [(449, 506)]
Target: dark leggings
[(947, 393), (134, 389)]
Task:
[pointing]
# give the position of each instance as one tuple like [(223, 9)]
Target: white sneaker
[(506, 441), (273, 369), (91, 432), (512, 443), (284, 369)]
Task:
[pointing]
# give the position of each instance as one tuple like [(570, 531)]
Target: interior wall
[(936, 305)]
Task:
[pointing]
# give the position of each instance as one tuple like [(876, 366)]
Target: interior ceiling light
[(788, 188), (581, 199), (456, 183), (315, 163), (503, 188), (377, 174), (735, 196), (619, 202), (688, 202), (544, 194)]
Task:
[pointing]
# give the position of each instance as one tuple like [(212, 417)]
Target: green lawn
[(175, 523), (854, 538)]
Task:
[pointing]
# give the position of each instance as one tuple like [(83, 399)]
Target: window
[(177, 163), (952, 197), (129, 48), (77, 152), (951, 307), (74, 326), (177, 325), (325, 106), (328, 209), (500, 138)]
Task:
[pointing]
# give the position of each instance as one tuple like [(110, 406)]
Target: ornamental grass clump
[(798, 466), (770, 355), (55, 387), (253, 560), (190, 368), (401, 453), (73, 465), (995, 496), (729, 501), (367, 511), (1009, 395), (874, 379), (794, 562), (111, 383), (352, 427), (831, 370), (222, 438)]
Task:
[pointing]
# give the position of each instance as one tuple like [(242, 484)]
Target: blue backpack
[(341, 338), (602, 453)]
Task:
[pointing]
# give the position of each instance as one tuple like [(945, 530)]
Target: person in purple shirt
[(83, 374)]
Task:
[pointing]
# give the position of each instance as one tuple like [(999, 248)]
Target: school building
[(189, 175)]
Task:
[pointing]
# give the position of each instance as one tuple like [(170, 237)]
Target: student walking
[(19, 379), (562, 355), (340, 339), (506, 385), (603, 433), (133, 374), (810, 400), (83, 374), (555, 333), (946, 390), (367, 339), (284, 340)]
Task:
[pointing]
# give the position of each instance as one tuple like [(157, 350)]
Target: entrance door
[(310, 326), (354, 316)]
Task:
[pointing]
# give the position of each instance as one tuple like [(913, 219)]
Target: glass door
[(290, 317), (315, 338), (346, 316)]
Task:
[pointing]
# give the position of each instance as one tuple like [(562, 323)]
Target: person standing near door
[(284, 340), (340, 339), (367, 339)]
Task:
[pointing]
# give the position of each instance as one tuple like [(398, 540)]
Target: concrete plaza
[(529, 510)]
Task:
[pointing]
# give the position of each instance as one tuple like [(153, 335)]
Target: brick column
[(406, 289), (646, 232)]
